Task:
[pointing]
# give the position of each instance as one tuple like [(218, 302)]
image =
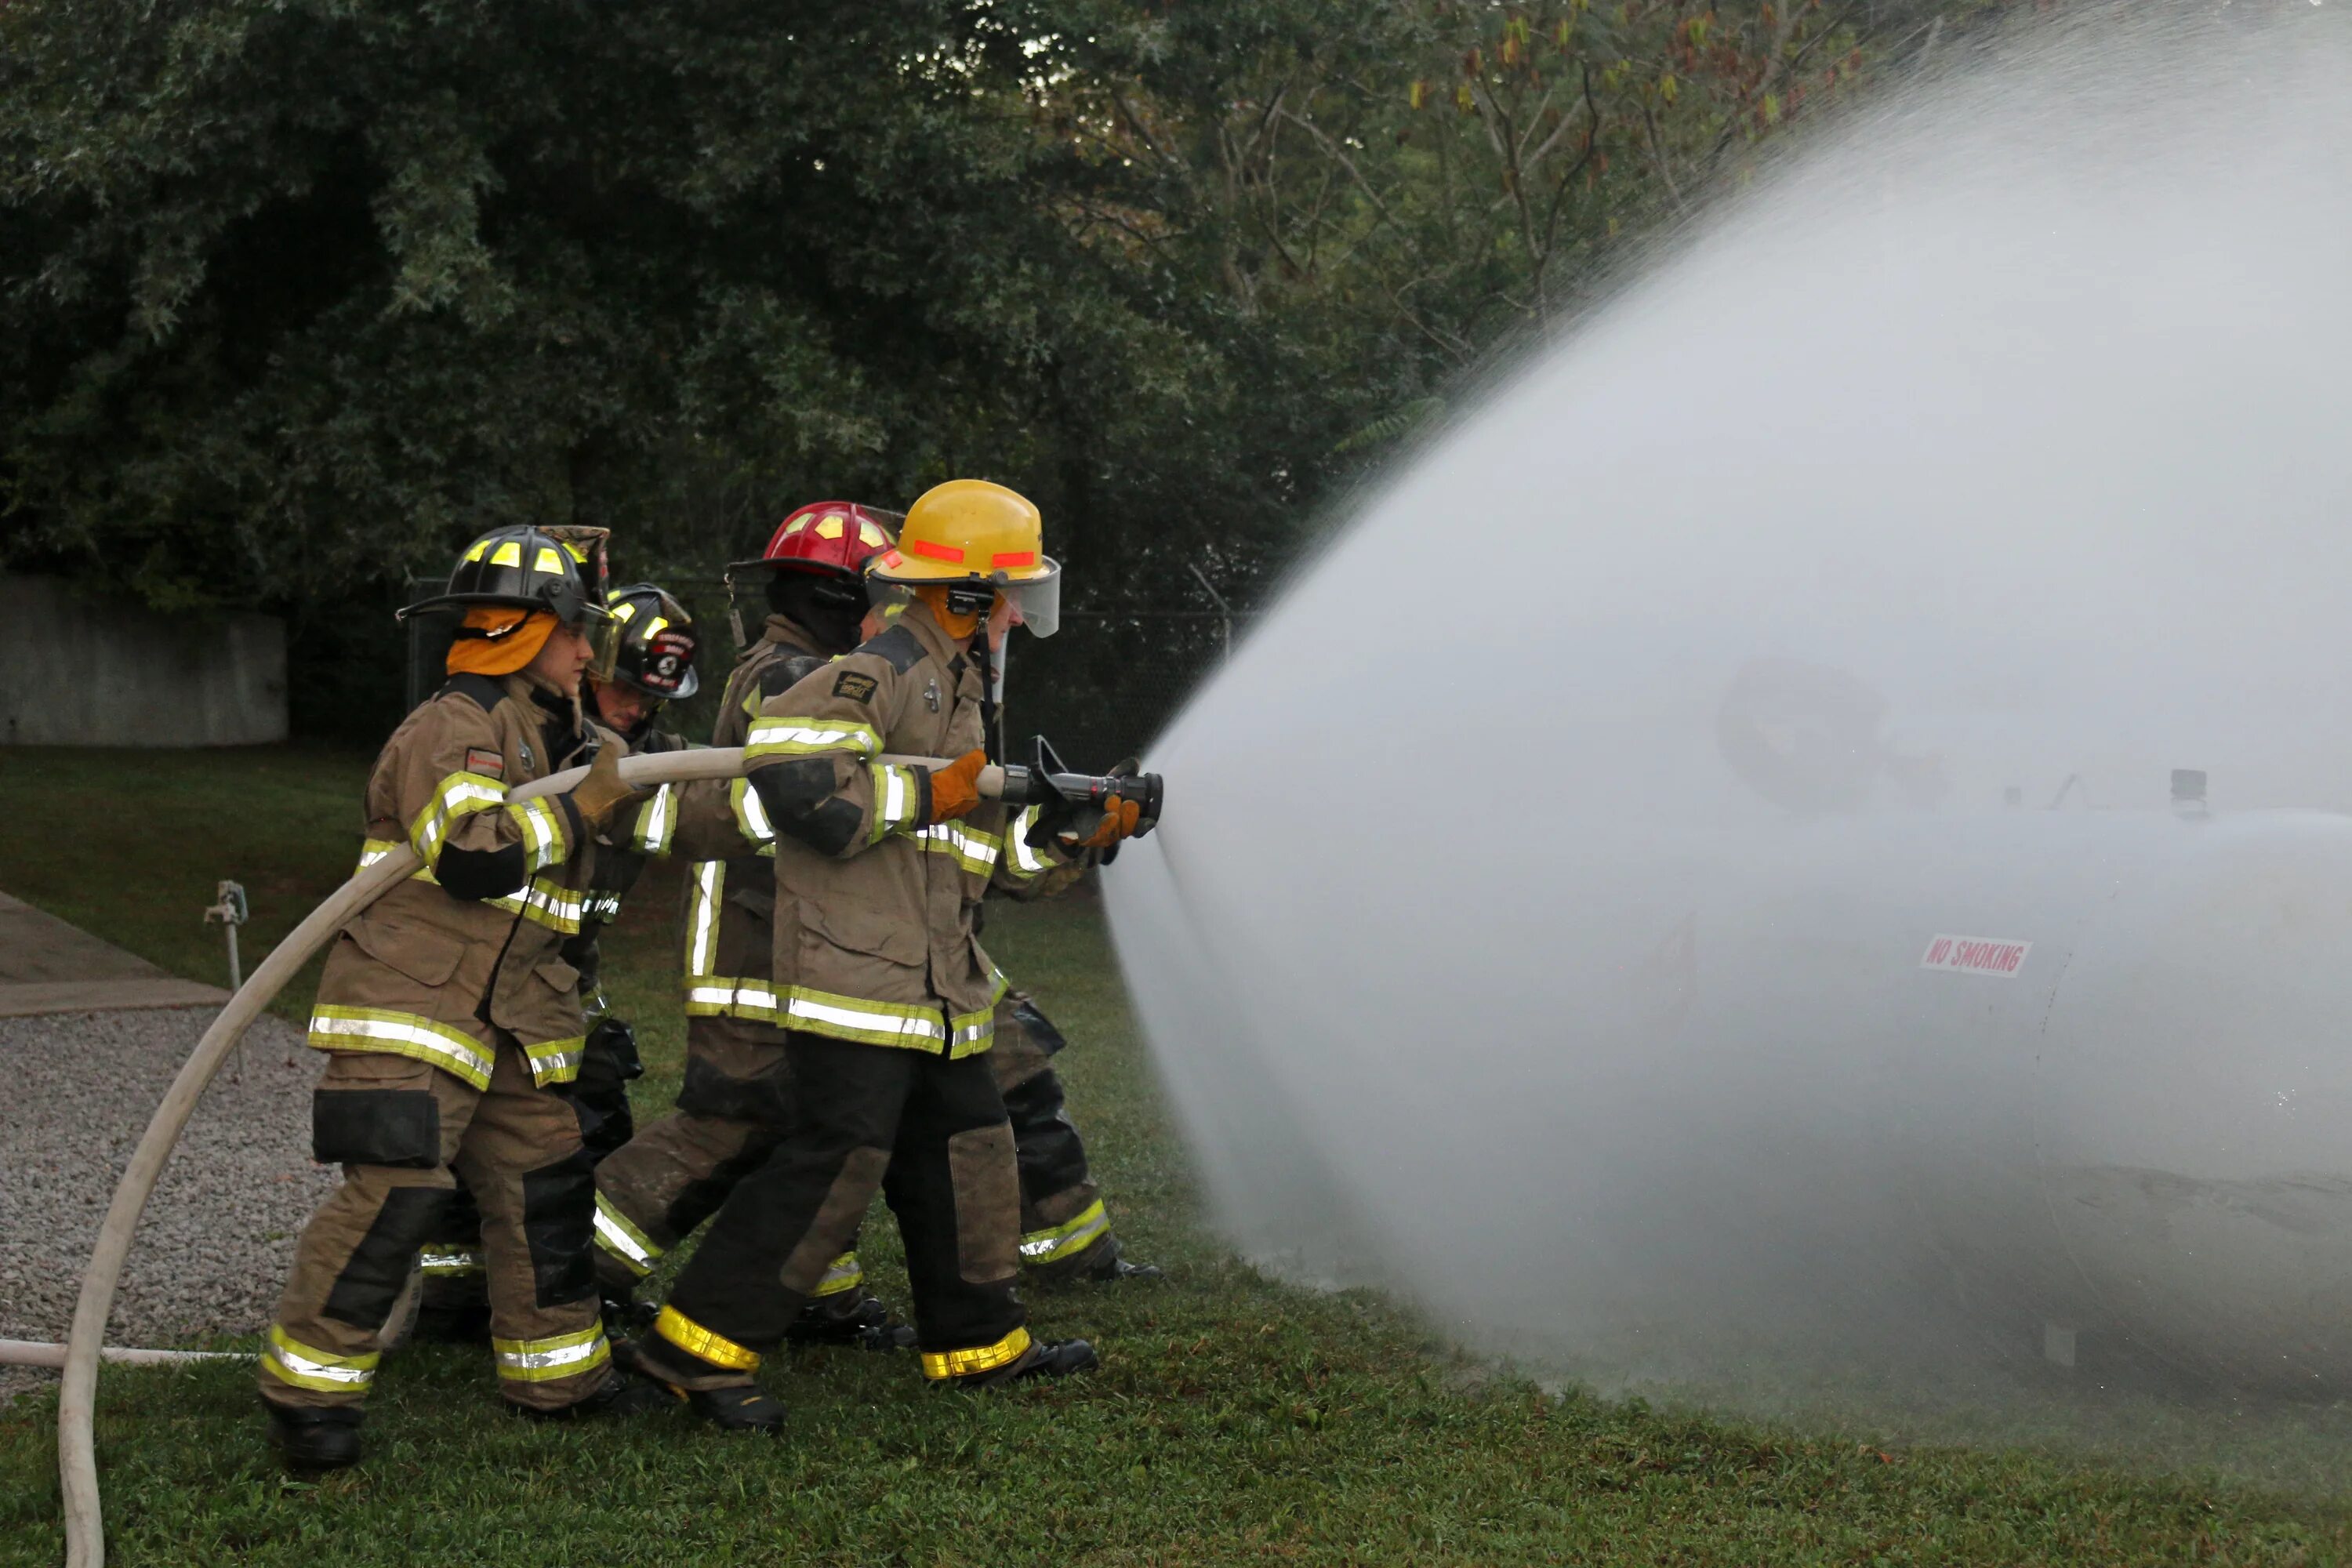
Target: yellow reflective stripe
[(870, 1022), (338, 1029), (714, 996), (702, 918), (1025, 862), (290, 1361), (621, 1238), (969, 1033), (843, 1273), (444, 1260), (541, 826), (896, 798), (544, 1361), (556, 1061), (657, 823), (459, 794), (750, 812), (375, 849), (1068, 1238), (696, 1340), (974, 850), (549, 904), (809, 737), (941, 1365)]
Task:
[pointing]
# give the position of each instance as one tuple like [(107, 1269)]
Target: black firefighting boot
[(313, 1440), (1043, 1358), (1113, 1266), (850, 1319), (729, 1399), (619, 1395)]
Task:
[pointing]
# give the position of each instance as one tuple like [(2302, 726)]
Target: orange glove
[(954, 788), (1118, 822)]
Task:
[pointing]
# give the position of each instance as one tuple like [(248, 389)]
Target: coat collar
[(917, 618)]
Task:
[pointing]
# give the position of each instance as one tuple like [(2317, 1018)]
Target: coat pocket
[(558, 974), (420, 953)]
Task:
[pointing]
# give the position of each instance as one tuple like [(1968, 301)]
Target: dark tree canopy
[(296, 295)]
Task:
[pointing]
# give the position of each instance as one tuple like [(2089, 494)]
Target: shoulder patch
[(855, 686), (489, 764), (902, 648)]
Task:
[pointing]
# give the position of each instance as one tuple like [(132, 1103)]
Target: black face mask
[(829, 608)]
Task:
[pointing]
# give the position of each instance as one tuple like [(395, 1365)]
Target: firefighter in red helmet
[(671, 1176)]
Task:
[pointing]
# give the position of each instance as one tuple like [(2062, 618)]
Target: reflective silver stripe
[(790, 737), (557, 1061), (658, 821), (459, 794), (750, 813), (332, 1026), (974, 850), (1026, 862), (702, 928), (542, 836), (451, 1262), (543, 1361), (297, 1364), (809, 1010), (1072, 1236), (971, 1034), (616, 1236)]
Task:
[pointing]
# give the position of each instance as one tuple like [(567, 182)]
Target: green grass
[(1235, 1419)]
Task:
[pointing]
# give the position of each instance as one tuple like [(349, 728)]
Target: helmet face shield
[(1037, 601), (604, 635)]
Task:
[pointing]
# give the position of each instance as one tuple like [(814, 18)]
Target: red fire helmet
[(834, 538)]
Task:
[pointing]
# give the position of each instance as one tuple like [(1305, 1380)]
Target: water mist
[(1545, 922)]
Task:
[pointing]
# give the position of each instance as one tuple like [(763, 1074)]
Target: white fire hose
[(76, 1403)]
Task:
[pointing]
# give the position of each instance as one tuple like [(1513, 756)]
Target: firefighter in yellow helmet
[(887, 1000), (452, 1023)]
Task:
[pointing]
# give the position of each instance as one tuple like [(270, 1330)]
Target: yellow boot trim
[(696, 1340), (1068, 1239), (940, 1366)]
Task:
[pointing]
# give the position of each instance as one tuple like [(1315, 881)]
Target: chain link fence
[(1099, 689)]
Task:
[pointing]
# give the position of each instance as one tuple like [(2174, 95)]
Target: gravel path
[(219, 1232)]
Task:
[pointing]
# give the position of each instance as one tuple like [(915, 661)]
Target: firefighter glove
[(603, 792), (1119, 819), (955, 789)]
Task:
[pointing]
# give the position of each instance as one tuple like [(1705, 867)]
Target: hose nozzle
[(1067, 802)]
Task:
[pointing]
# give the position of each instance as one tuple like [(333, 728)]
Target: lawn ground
[(1236, 1420)]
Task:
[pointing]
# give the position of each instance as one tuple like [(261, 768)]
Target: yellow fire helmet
[(970, 533)]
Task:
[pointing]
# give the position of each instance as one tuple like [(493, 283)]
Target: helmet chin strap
[(983, 657)]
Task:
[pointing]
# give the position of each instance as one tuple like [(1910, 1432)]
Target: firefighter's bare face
[(1002, 616), (560, 660), (624, 707)]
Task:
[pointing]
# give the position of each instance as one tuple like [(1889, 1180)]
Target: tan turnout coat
[(874, 937), (425, 974)]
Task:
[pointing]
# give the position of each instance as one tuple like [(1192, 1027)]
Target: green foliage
[(297, 295)]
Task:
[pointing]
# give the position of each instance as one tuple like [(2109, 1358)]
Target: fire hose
[(1060, 796)]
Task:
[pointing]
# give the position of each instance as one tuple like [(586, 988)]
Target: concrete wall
[(87, 673)]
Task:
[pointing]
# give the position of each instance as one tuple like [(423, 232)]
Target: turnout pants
[(930, 1135), (1065, 1229), (733, 1110), (452, 1260), (404, 1132)]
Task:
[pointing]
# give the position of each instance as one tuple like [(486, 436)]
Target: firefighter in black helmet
[(452, 1023), (647, 661)]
